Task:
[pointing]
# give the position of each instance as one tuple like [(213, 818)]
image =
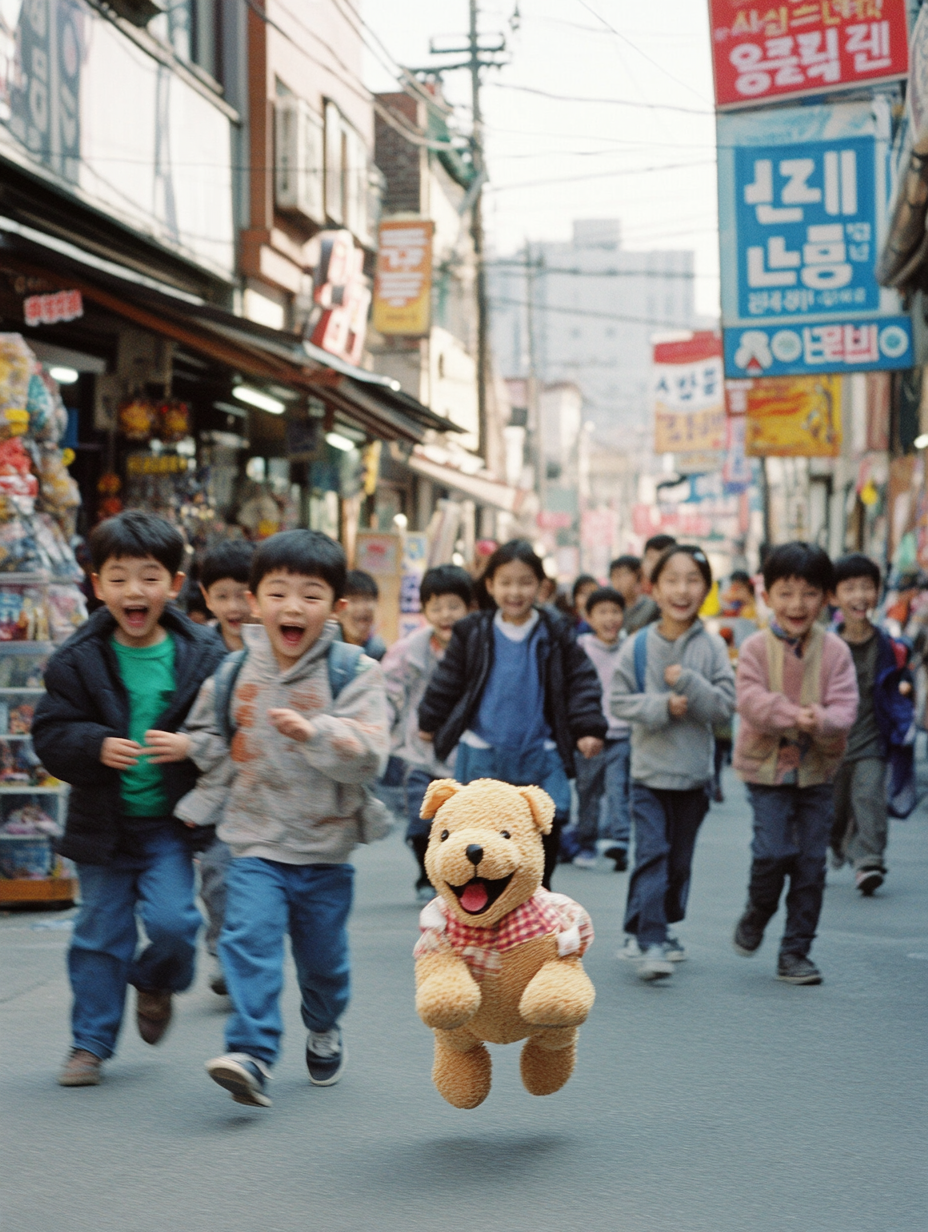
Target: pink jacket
[(772, 685)]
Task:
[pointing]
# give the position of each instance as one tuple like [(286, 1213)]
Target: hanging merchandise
[(15, 366), (173, 421), (109, 486), (48, 419), (137, 419)]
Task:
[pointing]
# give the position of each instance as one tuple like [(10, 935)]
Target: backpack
[(342, 661), (640, 651)]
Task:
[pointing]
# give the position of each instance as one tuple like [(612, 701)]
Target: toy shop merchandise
[(499, 958)]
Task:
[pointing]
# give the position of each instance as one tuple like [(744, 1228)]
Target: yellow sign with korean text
[(688, 395), (403, 283), (792, 416)]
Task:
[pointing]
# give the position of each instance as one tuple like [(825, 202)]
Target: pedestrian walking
[(884, 721), (446, 594), (673, 683), (606, 774), (515, 693), (359, 612), (797, 701), (304, 719), (116, 693)]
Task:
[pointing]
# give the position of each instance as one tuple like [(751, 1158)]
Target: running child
[(606, 774), (515, 693), (359, 611), (884, 719), (446, 594), (307, 721), (116, 693), (673, 683), (797, 701)]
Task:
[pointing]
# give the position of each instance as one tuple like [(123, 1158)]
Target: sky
[(649, 162)]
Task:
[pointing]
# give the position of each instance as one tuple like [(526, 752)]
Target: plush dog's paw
[(447, 1001), (561, 994)]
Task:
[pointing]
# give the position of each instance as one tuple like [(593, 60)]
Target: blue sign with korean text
[(803, 197)]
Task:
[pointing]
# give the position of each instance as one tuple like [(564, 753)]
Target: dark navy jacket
[(573, 700), (894, 711), (86, 701)]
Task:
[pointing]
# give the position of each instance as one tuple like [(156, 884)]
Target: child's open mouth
[(291, 635), (476, 895), (135, 616)]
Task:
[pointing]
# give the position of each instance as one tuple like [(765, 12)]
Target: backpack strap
[(223, 688), (640, 651), (343, 663)]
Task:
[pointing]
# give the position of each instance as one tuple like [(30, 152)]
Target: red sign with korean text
[(764, 51)]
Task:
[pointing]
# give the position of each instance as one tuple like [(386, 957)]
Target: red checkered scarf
[(481, 948)]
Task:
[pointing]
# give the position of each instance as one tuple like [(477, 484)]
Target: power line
[(599, 175), (611, 102), (583, 312), (599, 17), (515, 264)]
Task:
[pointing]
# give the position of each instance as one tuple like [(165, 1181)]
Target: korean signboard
[(789, 417), (764, 52), (802, 210), (688, 394), (403, 286)]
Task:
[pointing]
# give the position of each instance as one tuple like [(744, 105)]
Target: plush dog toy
[(499, 957)]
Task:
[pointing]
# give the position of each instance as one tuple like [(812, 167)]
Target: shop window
[(353, 185), (190, 27)]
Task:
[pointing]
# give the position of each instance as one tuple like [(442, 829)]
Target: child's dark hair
[(583, 580), (697, 555), (605, 594), (659, 543), (308, 553), (191, 600), (516, 549), (631, 563), (799, 560), (137, 535), (360, 585), (446, 580), (231, 559), (743, 579), (856, 565)]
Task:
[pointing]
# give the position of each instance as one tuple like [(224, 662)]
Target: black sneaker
[(244, 1077), (868, 880), (748, 935), (797, 969), (325, 1057), (620, 855)]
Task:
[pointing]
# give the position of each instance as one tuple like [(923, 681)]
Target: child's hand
[(806, 719), (590, 746), (291, 724), (166, 746), (677, 704), (672, 674), (119, 754), (905, 688), (428, 737)]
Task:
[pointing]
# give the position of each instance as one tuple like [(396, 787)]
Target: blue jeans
[(538, 765), (157, 882), (417, 784), (666, 825), (792, 826), (605, 774), (266, 900)]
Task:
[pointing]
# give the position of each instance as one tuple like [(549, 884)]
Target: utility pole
[(478, 57), (531, 383)]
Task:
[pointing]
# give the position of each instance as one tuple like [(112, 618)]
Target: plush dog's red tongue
[(475, 897)]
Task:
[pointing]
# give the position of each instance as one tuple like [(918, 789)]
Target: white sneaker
[(654, 964), (631, 949), (586, 859), (674, 950)]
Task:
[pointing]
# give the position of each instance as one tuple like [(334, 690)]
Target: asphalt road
[(723, 1101)]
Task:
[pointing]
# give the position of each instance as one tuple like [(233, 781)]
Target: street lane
[(723, 1101)]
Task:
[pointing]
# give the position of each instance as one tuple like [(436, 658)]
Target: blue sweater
[(511, 714)]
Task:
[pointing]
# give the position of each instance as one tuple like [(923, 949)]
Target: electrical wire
[(582, 312), (598, 175), (612, 102)]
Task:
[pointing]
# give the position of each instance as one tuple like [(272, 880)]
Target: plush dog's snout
[(474, 853)]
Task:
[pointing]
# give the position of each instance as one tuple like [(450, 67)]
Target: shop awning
[(484, 489), (373, 402)]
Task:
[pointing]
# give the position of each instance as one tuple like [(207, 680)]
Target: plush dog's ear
[(541, 806), (436, 794)]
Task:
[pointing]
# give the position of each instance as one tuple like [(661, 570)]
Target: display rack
[(30, 799)]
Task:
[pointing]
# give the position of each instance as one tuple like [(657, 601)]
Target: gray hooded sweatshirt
[(667, 753), (297, 803)]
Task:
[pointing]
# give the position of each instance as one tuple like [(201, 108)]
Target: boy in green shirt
[(117, 691)]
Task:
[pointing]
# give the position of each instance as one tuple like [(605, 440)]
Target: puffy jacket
[(573, 697), (86, 701), (895, 712)]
